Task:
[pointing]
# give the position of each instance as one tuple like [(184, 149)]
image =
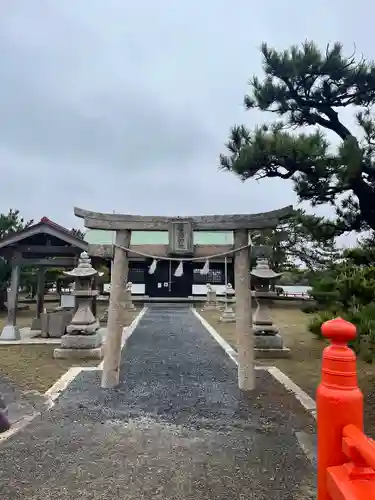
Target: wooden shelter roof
[(61, 237)]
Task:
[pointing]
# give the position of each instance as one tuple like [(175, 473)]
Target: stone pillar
[(40, 275), (10, 330), (244, 335), (112, 347)]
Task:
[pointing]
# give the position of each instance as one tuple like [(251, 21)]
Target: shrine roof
[(60, 234)]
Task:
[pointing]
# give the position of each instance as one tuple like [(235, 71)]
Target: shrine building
[(155, 245)]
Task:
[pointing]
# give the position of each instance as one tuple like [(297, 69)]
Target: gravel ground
[(175, 428)]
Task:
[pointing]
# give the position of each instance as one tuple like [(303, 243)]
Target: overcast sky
[(126, 106)]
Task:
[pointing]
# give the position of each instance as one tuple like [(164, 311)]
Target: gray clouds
[(116, 105)]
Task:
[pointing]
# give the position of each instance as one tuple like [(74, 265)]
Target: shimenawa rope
[(183, 259), (180, 270)]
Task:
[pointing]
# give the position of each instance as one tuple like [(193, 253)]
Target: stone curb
[(31, 341)]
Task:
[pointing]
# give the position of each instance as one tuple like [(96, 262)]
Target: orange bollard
[(339, 400)]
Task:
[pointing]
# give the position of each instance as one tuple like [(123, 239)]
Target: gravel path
[(176, 428)]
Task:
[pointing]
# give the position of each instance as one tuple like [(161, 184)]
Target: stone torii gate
[(123, 224)]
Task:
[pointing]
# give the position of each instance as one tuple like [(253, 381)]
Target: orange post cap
[(339, 330)]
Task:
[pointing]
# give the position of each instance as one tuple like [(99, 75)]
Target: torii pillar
[(244, 334), (112, 345)]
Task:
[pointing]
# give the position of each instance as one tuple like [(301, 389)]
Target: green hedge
[(362, 317)]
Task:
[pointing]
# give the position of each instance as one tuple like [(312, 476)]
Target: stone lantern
[(268, 340), (82, 339), (263, 276), (211, 303), (128, 304), (228, 315)]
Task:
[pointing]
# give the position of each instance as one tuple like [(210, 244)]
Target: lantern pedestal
[(128, 304), (228, 315), (211, 303), (267, 340), (81, 341), (262, 321)]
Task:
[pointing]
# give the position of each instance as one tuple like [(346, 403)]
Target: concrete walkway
[(176, 428)]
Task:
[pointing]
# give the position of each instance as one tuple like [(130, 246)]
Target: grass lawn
[(303, 367), (32, 367)]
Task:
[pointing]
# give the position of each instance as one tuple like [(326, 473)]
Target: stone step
[(26, 404)]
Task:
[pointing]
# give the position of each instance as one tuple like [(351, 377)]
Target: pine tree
[(294, 243), (10, 223), (307, 87)]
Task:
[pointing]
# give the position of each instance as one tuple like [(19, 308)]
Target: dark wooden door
[(162, 283), (182, 286)]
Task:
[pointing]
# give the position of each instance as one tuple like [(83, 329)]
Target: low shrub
[(362, 317), (310, 308), (317, 320)]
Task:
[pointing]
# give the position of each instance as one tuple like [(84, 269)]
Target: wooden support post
[(40, 291), (244, 334), (112, 347), (10, 330), (40, 275)]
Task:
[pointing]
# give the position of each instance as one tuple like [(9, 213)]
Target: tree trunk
[(366, 200)]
